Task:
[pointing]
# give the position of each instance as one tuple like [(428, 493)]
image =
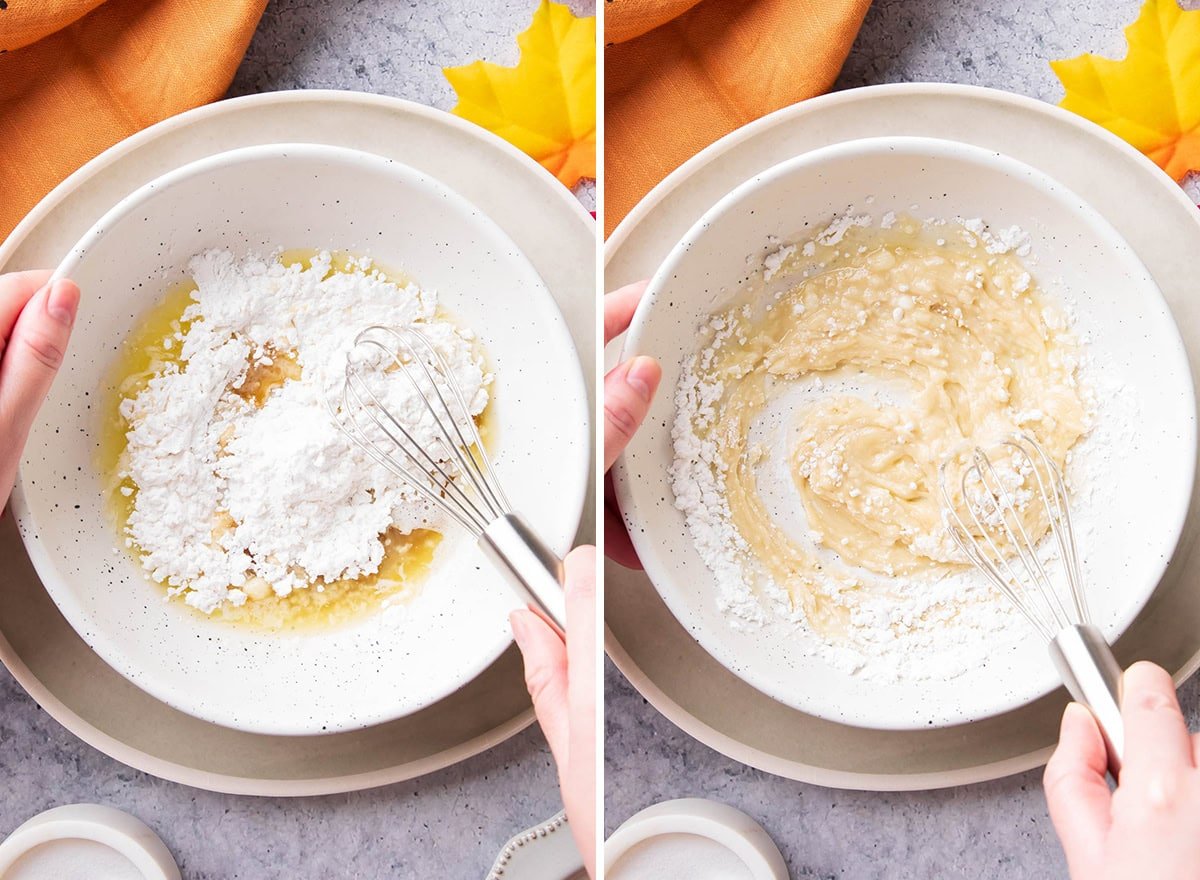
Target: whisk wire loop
[(985, 552), (999, 543), (351, 429), (449, 486), (1044, 595), (1001, 573), (360, 401), (997, 540), (1006, 586), (447, 464), (483, 478), (418, 480), (414, 357), (1064, 534)]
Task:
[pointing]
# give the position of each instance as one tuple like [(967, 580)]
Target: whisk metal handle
[(532, 567), (1093, 676)]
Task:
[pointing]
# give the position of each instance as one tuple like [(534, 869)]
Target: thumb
[(33, 354), (1076, 791), (628, 390), (545, 658)]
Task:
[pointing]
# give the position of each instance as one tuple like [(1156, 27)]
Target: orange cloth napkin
[(76, 76), (679, 74)]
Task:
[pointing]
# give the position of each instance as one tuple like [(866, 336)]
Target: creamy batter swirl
[(970, 350)]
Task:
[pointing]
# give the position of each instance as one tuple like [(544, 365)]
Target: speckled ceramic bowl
[(259, 199), (1076, 256)]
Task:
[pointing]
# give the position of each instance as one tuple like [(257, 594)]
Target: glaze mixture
[(877, 353), (233, 485)]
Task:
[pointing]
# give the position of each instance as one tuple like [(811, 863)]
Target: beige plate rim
[(223, 782), (667, 705)]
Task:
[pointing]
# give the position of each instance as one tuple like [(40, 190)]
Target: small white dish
[(671, 838), (1079, 257), (260, 199), (85, 840), (546, 851)]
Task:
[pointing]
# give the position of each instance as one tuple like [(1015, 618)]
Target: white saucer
[(662, 660), (46, 656)]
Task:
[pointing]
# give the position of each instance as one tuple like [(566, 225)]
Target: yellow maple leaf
[(546, 105), (1151, 98)]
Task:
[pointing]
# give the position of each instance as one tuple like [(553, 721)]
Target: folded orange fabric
[(704, 69), (77, 76)]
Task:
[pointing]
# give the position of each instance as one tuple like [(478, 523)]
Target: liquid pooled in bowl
[(229, 480)]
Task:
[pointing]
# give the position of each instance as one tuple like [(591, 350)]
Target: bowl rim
[(932, 147), (110, 649)]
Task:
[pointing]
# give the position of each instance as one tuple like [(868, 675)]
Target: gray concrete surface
[(446, 825), (995, 830)]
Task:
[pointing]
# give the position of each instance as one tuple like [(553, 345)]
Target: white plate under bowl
[(257, 200), (1076, 256)]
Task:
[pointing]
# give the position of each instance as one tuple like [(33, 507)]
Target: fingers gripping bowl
[(826, 331), (258, 201)]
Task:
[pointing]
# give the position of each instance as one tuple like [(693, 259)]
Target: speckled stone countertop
[(449, 824), (994, 830)]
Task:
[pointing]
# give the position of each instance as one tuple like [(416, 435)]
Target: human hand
[(562, 678), (35, 324), (628, 390), (562, 682), (1150, 825)]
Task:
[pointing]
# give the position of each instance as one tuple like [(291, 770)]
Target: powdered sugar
[(836, 230), (775, 260), (1013, 239), (231, 495)]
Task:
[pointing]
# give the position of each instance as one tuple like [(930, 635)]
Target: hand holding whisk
[(995, 537), (453, 471)]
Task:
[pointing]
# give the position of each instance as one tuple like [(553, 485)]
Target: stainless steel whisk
[(997, 542), (457, 476)]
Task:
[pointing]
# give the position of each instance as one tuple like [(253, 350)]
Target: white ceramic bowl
[(259, 199), (1076, 256)]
